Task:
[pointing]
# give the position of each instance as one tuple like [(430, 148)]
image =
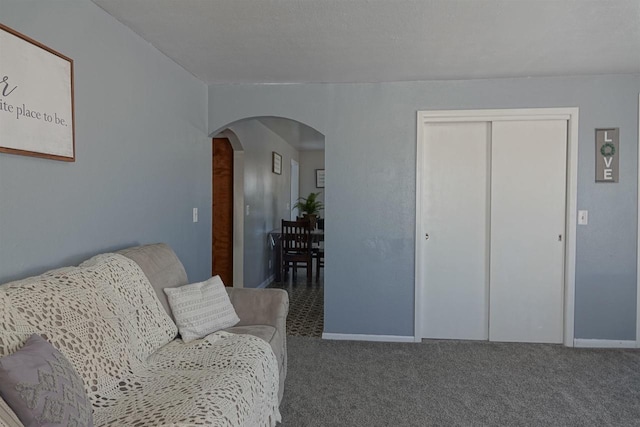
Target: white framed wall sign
[(36, 99)]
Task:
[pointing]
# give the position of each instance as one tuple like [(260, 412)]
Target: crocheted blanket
[(104, 316)]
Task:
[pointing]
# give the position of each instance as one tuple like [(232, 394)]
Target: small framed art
[(276, 163), (319, 178)]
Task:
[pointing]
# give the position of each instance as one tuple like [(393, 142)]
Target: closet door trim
[(568, 114)]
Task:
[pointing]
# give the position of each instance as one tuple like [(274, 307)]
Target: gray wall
[(143, 162), (266, 193), (370, 143), (143, 156), (309, 162)]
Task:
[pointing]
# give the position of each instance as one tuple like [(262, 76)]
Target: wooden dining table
[(275, 237)]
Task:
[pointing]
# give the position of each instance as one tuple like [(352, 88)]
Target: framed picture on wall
[(276, 163), (319, 178), (36, 94)]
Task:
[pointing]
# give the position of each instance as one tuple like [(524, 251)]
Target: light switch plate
[(583, 217), (195, 214)]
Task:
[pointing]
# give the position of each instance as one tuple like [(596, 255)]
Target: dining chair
[(318, 254), (318, 248), (296, 247)]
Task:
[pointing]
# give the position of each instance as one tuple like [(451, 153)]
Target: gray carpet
[(447, 383)]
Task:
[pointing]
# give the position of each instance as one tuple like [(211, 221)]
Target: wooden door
[(222, 210), (455, 197), (528, 193)]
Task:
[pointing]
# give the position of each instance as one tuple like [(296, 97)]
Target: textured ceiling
[(297, 41)]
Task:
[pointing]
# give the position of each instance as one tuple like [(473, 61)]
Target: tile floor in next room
[(306, 304)]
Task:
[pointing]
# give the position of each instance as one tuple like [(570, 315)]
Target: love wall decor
[(607, 154), (36, 99)]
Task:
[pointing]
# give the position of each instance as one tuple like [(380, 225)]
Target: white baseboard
[(587, 343), (267, 282), (362, 337)]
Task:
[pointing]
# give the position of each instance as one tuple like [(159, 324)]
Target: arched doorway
[(262, 197)]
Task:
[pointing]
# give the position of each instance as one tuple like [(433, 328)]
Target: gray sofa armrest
[(265, 307), (261, 307), (254, 306)]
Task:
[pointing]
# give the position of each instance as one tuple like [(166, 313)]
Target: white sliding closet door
[(528, 185), (455, 194)]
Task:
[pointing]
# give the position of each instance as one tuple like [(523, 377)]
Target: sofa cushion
[(221, 380), (161, 266), (42, 387), (201, 308), (265, 332)]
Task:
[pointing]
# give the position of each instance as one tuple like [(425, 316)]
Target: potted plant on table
[(310, 207)]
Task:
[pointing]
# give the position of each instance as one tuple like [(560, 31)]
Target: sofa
[(111, 319)]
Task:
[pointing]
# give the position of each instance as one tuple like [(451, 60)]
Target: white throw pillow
[(201, 308)]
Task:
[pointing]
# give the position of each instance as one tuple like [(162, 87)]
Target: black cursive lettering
[(5, 80)]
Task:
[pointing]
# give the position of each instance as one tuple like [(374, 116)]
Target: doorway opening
[(263, 194)]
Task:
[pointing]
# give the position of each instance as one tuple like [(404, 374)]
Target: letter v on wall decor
[(36, 99)]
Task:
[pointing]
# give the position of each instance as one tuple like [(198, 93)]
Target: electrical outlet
[(269, 264)]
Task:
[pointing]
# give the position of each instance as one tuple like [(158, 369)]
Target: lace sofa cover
[(105, 318)]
